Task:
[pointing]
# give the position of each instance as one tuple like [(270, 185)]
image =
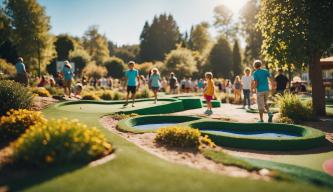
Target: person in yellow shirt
[(209, 92)]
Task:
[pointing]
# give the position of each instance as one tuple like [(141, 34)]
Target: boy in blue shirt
[(260, 83), (68, 76), (132, 80)]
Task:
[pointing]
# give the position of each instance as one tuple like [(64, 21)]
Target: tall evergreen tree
[(63, 45), (220, 58), (236, 60), (199, 38), (96, 45), (30, 31), (159, 38), (253, 35)]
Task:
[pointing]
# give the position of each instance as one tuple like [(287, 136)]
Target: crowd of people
[(259, 82)]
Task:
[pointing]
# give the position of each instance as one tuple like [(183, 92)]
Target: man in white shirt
[(246, 85)]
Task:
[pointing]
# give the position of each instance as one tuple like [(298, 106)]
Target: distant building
[(327, 67)]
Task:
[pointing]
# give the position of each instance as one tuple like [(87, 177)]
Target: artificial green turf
[(133, 169)]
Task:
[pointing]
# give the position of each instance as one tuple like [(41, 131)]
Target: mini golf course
[(255, 136), (134, 169)]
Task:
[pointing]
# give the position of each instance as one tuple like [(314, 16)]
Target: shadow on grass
[(13, 178)]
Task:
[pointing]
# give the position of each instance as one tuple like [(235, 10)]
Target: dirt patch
[(187, 157), (40, 103)]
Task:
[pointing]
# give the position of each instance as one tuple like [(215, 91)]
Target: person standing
[(21, 73), (209, 92), (173, 83), (68, 76), (237, 89), (281, 82), (261, 86), (132, 80), (246, 85), (155, 82)]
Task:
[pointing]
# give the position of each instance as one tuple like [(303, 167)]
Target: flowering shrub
[(59, 141), (14, 96), (41, 91), (285, 120), (292, 107), (118, 95), (174, 136), (106, 95), (120, 116), (206, 141), (90, 96), (16, 122)]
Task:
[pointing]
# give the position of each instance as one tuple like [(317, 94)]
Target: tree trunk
[(318, 92)]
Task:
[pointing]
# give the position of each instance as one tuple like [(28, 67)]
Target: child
[(155, 82), (246, 85), (68, 76), (261, 86), (237, 89), (209, 92), (133, 81)]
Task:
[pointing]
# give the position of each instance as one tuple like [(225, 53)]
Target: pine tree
[(159, 38), (30, 28), (236, 60), (220, 58), (96, 45)]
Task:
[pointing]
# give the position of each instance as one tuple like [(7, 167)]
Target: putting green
[(109, 107)]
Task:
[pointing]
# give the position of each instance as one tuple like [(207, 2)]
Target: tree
[(94, 71), (200, 38), (220, 58), (30, 31), (81, 59), (252, 34), (96, 45), (224, 21), (296, 32), (115, 67), (64, 45), (236, 60), (159, 38), (181, 62)]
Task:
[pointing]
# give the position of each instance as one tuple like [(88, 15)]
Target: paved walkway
[(227, 111)]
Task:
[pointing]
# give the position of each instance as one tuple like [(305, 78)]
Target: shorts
[(131, 89), (208, 97), (155, 88), (68, 83), (262, 98)]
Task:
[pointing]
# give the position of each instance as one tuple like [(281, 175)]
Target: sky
[(122, 20)]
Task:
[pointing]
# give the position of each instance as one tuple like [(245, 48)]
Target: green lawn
[(133, 169)]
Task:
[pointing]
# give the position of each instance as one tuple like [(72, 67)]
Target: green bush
[(90, 96), (55, 90), (7, 68), (174, 136), (41, 91), (118, 95), (16, 122), (286, 120), (294, 108), (115, 67), (144, 93), (14, 96), (121, 116), (106, 95), (58, 142)]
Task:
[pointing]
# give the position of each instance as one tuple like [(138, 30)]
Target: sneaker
[(133, 105), (125, 104), (210, 112), (270, 117), (260, 121), (206, 112)]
